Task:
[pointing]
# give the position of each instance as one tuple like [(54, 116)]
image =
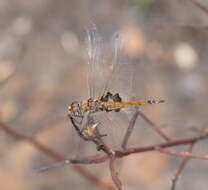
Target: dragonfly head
[(74, 109)]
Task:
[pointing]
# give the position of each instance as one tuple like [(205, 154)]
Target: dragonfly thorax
[(79, 108)]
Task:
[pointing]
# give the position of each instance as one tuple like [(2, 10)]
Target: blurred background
[(43, 69)]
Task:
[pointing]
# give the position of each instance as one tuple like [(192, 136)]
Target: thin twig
[(54, 155), (136, 150), (199, 5), (154, 126), (116, 154), (129, 129), (57, 157), (180, 168), (97, 159), (201, 131), (114, 174), (182, 154)]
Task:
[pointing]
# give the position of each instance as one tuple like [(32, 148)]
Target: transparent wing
[(119, 69), (95, 60), (108, 66), (110, 70), (121, 78)]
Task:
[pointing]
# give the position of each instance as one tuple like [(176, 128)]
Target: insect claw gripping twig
[(75, 126)]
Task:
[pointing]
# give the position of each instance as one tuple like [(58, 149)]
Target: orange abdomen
[(118, 105)]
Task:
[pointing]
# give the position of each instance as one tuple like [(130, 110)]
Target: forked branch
[(54, 156), (112, 155)]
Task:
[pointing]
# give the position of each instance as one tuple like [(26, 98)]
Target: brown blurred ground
[(42, 70)]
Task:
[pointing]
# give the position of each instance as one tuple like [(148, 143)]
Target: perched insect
[(100, 74), (105, 76)]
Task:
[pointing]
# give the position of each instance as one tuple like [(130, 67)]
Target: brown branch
[(114, 174), (162, 145), (199, 5), (180, 168), (182, 154), (54, 155), (136, 150), (97, 159), (129, 129), (155, 127)]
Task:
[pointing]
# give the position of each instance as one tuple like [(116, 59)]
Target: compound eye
[(69, 110), (72, 109)]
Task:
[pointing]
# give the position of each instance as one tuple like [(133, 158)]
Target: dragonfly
[(101, 74)]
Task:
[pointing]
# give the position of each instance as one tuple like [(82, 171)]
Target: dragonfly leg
[(82, 127), (73, 121)]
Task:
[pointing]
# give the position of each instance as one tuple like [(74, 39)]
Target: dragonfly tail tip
[(161, 101), (155, 101)]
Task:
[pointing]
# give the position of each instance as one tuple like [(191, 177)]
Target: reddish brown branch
[(97, 159), (199, 5), (114, 174), (54, 155), (136, 150), (180, 168), (155, 127), (158, 146), (183, 154), (129, 130)]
